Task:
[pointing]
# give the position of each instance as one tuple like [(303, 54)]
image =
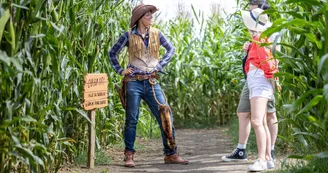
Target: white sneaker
[(270, 164), (259, 165)]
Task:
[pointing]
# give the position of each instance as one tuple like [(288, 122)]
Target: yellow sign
[(95, 91)]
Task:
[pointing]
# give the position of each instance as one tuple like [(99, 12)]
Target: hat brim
[(257, 2), (251, 23), (140, 12)]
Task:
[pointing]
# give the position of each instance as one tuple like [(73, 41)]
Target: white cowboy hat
[(255, 20)]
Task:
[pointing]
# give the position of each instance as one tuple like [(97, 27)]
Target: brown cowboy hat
[(139, 11)]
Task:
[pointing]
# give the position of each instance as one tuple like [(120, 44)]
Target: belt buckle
[(153, 81), (138, 77)]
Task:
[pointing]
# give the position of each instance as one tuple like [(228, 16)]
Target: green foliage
[(147, 126), (46, 49), (309, 163), (100, 158), (202, 82), (303, 73), (48, 46), (303, 114)]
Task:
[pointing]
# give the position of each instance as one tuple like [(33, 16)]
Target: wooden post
[(95, 95), (92, 139)]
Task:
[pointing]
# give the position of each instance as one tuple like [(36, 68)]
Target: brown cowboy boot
[(129, 158), (175, 159)]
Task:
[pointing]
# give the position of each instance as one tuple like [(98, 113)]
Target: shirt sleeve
[(170, 50), (115, 50)]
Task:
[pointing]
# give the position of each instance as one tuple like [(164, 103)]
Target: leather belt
[(139, 77)]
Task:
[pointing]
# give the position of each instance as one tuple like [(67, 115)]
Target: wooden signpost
[(95, 95)]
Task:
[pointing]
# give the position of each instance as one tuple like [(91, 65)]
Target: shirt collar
[(135, 31)]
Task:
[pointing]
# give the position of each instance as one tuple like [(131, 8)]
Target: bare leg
[(273, 126), (244, 126), (268, 139), (258, 110)]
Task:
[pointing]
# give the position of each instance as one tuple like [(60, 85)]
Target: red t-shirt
[(261, 57)]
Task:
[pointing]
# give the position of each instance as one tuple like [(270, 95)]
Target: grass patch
[(100, 159), (317, 165)]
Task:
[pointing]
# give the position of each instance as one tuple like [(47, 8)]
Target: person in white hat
[(260, 68), (244, 109), (140, 80)]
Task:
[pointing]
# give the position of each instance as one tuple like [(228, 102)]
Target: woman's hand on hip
[(127, 71)]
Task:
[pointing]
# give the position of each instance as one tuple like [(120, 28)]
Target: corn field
[(47, 46)]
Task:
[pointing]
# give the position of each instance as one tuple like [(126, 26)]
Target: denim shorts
[(245, 104)]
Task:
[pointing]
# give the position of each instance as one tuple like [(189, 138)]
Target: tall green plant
[(304, 73), (202, 80), (46, 49)]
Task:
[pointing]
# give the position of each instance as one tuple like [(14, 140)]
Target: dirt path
[(203, 149)]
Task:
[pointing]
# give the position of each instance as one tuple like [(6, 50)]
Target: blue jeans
[(135, 91)]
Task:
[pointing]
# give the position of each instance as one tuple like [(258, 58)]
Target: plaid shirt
[(124, 41)]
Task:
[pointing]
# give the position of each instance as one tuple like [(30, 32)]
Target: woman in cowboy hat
[(260, 68), (143, 43)]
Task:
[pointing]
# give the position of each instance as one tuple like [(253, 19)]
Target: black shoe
[(272, 155), (237, 155)]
